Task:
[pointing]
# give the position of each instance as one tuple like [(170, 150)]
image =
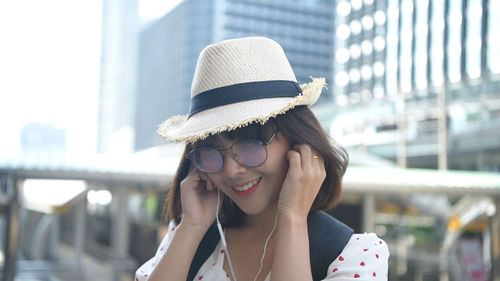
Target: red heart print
[(362, 263), (201, 277), (222, 251), (374, 274), (341, 258), (365, 250), (377, 256), (356, 275), (335, 269)]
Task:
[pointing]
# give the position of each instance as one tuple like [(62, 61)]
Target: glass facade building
[(117, 76), (360, 51), (169, 48), (407, 67), (409, 46)]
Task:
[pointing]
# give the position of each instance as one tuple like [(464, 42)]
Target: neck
[(262, 222)]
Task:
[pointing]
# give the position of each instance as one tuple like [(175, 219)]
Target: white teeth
[(246, 186)]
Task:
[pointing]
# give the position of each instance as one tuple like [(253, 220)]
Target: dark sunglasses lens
[(250, 153), (207, 160)]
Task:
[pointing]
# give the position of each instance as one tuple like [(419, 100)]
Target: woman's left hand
[(306, 173)]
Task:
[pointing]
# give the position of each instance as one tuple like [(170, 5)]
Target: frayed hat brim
[(180, 128)]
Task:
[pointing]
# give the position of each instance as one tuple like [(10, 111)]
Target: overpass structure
[(367, 183)]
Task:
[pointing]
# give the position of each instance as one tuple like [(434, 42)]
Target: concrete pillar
[(401, 126), (495, 243), (442, 130), (120, 223), (120, 229), (369, 210), (11, 228), (80, 229)]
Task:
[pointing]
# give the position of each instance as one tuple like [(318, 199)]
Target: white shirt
[(365, 257)]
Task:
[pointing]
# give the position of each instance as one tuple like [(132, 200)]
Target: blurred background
[(413, 95)]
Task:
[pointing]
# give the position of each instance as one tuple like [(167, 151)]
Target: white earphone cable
[(265, 247), (222, 236), (223, 240)]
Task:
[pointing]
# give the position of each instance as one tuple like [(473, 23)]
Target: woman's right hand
[(198, 199), (199, 203)]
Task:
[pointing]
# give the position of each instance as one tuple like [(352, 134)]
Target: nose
[(232, 167)]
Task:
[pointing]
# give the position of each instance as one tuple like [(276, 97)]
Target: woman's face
[(253, 189)]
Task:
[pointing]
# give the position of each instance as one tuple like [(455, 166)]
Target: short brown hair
[(300, 126)]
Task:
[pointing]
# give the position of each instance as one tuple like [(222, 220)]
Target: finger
[(192, 175), (305, 155), (294, 161), (318, 166), (316, 157), (319, 162), (194, 180), (210, 185)]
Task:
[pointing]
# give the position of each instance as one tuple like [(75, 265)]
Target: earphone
[(223, 240), (222, 236)]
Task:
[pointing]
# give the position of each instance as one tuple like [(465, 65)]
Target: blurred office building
[(418, 82), (120, 23), (169, 48), (42, 141)]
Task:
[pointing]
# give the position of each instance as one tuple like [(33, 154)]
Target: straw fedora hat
[(238, 82)]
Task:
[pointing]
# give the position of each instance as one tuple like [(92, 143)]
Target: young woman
[(259, 165)]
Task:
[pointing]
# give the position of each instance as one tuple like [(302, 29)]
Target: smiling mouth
[(247, 189)]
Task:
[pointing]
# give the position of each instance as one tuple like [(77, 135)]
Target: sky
[(49, 67), (151, 9)]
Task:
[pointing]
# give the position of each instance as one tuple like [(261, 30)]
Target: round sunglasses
[(247, 152)]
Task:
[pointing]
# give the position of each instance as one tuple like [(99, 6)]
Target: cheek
[(277, 166), (216, 179)]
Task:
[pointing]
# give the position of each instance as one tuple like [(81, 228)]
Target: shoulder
[(145, 270), (365, 243), (365, 257)]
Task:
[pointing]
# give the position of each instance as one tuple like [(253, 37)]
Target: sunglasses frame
[(220, 150)]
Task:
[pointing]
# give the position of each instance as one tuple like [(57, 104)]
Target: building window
[(454, 49), (421, 37), (406, 41), (493, 35), (473, 39), (392, 47), (436, 42)]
